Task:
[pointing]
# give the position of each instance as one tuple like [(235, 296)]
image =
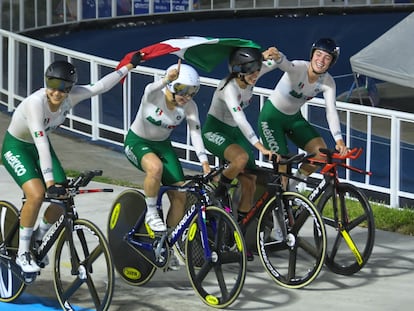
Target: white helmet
[(187, 83)]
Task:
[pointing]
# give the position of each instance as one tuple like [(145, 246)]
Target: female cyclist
[(281, 118), (28, 155), (227, 133), (164, 105)]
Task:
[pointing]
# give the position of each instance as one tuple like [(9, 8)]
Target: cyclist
[(148, 147), (227, 133), (281, 117), (28, 155)]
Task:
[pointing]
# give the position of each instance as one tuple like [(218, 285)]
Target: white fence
[(22, 63)]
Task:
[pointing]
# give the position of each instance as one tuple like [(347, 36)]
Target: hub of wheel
[(82, 272), (214, 257), (290, 240)]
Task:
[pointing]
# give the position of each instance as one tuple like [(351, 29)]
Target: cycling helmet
[(61, 75), (187, 83), (327, 45), (245, 60)]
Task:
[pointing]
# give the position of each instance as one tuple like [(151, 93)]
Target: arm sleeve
[(194, 125), (331, 113), (238, 114), (82, 92), (151, 90), (38, 132), (283, 64)]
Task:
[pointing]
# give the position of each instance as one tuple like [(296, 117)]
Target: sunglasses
[(58, 84), (185, 90)]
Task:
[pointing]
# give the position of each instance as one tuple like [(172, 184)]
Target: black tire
[(356, 221), (219, 280), (296, 261), (89, 284), (12, 284), (130, 264)]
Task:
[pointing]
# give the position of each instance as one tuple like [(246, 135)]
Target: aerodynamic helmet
[(61, 75), (245, 60), (328, 45), (187, 83)]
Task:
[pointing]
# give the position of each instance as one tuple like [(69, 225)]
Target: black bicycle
[(346, 212), (289, 232), (214, 246), (345, 209), (83, 268)]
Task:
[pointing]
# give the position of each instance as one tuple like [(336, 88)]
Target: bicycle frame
[(273, 189), (65, 221), (330, 181), (330, 172), (172, 237)]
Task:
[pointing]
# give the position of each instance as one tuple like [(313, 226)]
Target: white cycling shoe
[(155, 222), (27, 263), (174, 263)]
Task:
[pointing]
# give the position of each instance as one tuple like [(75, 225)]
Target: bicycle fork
[(279, 231), (342, 230)]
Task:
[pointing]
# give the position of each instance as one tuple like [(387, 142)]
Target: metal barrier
[(22, 15), (379, 131)]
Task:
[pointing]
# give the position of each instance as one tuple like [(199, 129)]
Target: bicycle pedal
[(29, 278), (154, 234)]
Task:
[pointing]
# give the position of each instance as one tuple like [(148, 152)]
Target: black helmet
[(61, 75), (245, 60), (327, 45)]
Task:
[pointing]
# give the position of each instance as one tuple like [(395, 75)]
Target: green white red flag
[(202, 52)]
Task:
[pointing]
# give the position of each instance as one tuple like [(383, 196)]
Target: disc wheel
[(130, 264)]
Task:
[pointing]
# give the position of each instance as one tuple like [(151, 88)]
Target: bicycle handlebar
[(333, 159), (82, 180), (352, 154), (291, 159), (204, 179)]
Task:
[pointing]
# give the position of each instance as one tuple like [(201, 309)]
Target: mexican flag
[(202, 52)]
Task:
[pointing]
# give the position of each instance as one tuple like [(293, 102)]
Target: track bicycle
[(289, 231), (346, 212), (290, 234), (214, 246), (82, 263)]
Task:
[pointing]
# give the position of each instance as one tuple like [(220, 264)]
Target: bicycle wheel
[(295, 261), (85, 276), (219, 279), (351, 238), (131, 265), (11, 286)]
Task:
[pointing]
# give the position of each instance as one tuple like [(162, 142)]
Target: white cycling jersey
[(33, 120), (294, 90), (228, 104), (155, 121)]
